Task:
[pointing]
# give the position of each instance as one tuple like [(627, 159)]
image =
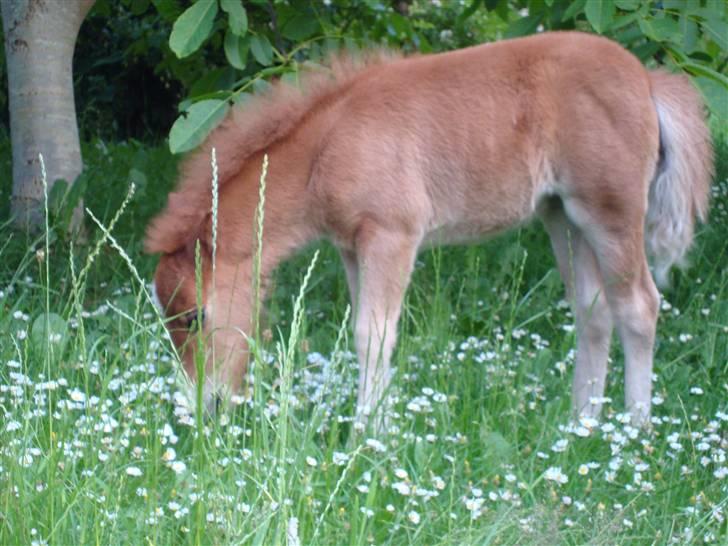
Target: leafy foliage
[(202, 116), (193, 27), (175, 53), (268, 39), (687, 35)]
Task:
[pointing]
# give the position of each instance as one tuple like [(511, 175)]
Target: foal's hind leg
[(580, 273), (352, 275), (618, 243), (634, 301), (385, 260)]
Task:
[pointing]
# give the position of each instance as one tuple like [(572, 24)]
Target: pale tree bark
[(40, 36)]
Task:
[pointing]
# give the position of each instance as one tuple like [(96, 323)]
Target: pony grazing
[(387, 155)]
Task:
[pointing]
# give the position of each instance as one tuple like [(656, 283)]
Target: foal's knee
[(636, 307), (647, 300), (595, 319)]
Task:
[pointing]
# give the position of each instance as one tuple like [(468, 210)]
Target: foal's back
[(466, 143)]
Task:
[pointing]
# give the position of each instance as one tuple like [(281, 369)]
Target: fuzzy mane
[(248, 129)]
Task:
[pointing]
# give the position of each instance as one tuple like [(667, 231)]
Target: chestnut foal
[(387, 155)]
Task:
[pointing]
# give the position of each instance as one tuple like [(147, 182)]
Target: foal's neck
[(290, 221)]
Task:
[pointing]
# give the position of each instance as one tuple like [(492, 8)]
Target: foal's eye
[(191, 319)]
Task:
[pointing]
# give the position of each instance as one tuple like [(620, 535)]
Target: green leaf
[(717, 31), (191, 130), (660, 30), (237, 17), (138, 7), (137, 177), (627, 5), (473, 7), (291, 78), (242, 98), (260, 86), (213, 81), (260, 534), (74, 196), (599, 13), (57, 195), (622, 21), (236, 50), (261, 49), (49, 328), (715, 96), (627, 34), (168, 9), (573, 10), (680, 4), (63, 199), (689, 32), (716, 6), (77, 189), (101, 8), (646, 51), (399, 26), (300, 27), (193, 27), (713, 10), (422, 453), (702, 57), (703, 70), (502, 10), (495, 445), (523, 26)]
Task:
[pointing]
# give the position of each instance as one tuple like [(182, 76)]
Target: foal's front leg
[(385, 260)]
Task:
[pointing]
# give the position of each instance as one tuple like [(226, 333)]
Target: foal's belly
[(473, 230), (474, 221)]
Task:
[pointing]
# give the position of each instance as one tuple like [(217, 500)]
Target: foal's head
[(221, 318), (176, 293)]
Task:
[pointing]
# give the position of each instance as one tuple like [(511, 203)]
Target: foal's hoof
[(376, 422), (639, 414), (216, 399), (212, 405)]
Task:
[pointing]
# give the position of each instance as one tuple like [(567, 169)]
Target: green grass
[(97, 447)]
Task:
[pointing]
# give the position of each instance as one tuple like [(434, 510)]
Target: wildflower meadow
[(101, 441)]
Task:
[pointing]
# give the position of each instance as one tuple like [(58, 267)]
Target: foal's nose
[(155, 296), (210, 402)]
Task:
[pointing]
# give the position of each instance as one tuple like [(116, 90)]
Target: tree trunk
[(40, 36)]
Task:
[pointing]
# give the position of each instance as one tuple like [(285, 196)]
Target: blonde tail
[(680, 191)]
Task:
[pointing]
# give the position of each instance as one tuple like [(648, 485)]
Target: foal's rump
[(578, 117)]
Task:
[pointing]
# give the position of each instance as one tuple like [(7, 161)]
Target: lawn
[(100, 445)]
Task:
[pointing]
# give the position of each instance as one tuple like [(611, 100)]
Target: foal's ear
[(173, 227), (160, 238)]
